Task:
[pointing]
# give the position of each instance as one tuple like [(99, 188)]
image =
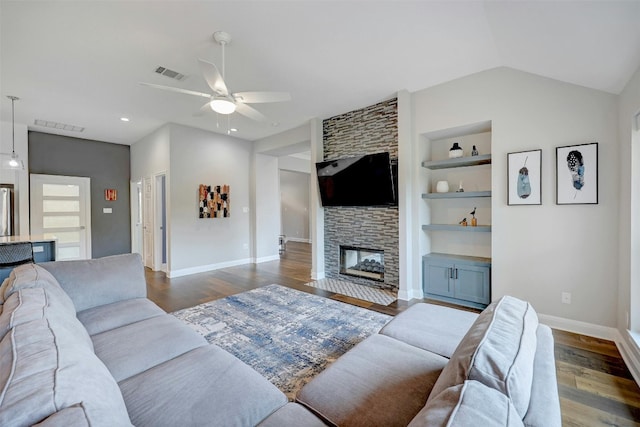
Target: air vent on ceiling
[(56, 125), (169, 73)]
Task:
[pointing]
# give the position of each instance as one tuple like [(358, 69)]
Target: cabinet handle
[(455, 273)]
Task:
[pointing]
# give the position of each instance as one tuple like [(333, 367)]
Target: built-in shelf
[(456, 227), (458, 162), (456, 195)]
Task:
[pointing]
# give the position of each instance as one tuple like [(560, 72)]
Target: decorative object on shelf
[(524, 178), (474, 220), (577, 174), (214, 201), (460, 189), (463, 222), (455, 151), (442, 187), (474, 151), (110, 194)]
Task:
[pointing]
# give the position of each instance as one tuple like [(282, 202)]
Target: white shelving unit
[(457, 265)]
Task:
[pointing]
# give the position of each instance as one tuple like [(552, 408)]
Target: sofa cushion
[(468, 404), (30, 304), (27, 276), (73, 416), (379, 382), (204, 387), (292, 415), (544, 406), (498, 351), (110, 316), (113, 278), (45, 368), (134, 348), (431, 327)]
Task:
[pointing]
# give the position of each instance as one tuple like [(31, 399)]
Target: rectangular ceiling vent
[(169, 73), (56, 125)]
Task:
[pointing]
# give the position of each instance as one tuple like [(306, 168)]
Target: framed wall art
[(214, 201), (577, 174), (524, 178)]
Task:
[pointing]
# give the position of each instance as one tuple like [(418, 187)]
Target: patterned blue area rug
[(286, 335)]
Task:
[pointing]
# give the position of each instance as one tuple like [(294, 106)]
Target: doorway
[(294, 205), (61, 209), (153, 202)]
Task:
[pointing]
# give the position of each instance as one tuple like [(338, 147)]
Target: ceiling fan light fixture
[(222, 105)]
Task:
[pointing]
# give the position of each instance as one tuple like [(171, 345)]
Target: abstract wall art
[(577, 174), (214, 201), (524, 178)]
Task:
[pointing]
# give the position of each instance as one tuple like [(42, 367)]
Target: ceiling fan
[(221, 100)]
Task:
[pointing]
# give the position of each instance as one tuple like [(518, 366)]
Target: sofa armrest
[(544, 406), (94, 282)]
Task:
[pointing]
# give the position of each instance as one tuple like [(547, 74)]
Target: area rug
[(288, 336), (363, 292)]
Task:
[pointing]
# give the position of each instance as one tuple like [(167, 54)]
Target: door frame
[(136, 213), (62, 179), (158, 230)]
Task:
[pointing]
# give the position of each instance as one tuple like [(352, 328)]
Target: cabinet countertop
[(26, 238)]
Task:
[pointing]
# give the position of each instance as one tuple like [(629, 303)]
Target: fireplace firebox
[(362, 262)]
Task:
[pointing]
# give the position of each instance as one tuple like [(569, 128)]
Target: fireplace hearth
[(362, 262)]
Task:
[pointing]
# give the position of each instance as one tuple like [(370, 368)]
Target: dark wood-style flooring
[(595, 386)]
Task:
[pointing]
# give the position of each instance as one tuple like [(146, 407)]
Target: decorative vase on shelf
[(455, 151), (474, 151), (442, 187)]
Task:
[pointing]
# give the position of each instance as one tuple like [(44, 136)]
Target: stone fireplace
[(369, 130), (362, 262)]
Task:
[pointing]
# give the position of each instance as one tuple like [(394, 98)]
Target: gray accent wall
[(108, 167), (366, 131)]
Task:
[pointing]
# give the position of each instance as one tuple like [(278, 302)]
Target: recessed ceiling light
[(233, 130), (275, 124), (124, 119)]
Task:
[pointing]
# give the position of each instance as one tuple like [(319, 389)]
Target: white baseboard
[(204, 268), (266, 259), (409, 294), (579, 327), (628, 347), (317, 275)]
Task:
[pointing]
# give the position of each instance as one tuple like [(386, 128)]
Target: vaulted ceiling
[(81, 62)]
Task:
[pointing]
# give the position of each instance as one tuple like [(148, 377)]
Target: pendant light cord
[(13, 125)]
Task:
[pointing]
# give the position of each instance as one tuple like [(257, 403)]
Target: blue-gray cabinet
[(457, 279)]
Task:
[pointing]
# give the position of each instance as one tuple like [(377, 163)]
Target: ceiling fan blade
[(262, 97), (206, 108), (250, 112), (213, 77), (176, 89)]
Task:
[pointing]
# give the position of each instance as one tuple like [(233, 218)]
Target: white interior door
[(147, 222), (136, 217), (61, 209)]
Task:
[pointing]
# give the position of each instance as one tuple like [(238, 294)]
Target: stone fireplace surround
[(366, 131)]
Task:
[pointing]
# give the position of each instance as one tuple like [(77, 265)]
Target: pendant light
[(12, 162)]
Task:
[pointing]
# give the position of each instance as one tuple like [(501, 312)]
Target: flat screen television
[(358, 181)]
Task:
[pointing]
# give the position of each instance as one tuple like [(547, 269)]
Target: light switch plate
[(107, 210)]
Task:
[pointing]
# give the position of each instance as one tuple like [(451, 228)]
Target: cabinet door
[(437, 277), (472, 283)]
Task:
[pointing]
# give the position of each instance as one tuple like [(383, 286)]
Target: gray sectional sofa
[(81, 345)]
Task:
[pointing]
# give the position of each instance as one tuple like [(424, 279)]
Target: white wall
[(202, 157), (150, 155), (19, 179), (295, 164), (629, 175), (539, 251), (267, 207)]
